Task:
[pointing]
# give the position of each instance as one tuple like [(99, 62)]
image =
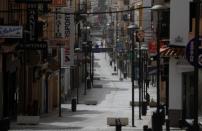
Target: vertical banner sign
[(64, 29), (65, 52), (59, 24), (32, 23)]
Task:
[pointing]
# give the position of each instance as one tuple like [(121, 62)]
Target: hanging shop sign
[(32, 16), (63, 23), (59, 24), (33, 1), (65, 57), (190, 52), (11, 32), (64, 29)]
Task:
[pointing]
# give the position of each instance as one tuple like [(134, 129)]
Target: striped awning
[(172, 52)]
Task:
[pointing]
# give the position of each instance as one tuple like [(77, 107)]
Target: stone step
[(111, 121)]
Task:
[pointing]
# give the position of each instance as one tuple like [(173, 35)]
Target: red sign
[(152, 47)]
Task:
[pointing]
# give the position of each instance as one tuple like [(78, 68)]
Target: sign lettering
[(11, 32)]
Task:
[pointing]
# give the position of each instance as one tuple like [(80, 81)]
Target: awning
[(172, 52)]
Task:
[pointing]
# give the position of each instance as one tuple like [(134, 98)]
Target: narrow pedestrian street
[(112, 96), (113, 100)]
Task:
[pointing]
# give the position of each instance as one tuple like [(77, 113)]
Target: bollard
[(167, 125), (145, 127), (156, 122), (125, 75), (144, 108), (110, 63), (4, 124), (74, 102), (114, 68), (88, 82), (118, 125)]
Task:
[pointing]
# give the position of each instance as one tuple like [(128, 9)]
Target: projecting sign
[(33, 45), (11, 32), (190, 52), (33, 1)]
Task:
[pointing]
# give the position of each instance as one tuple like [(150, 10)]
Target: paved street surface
[(113, 101)]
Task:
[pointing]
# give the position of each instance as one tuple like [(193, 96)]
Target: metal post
[(132, 78), (92, 67), (140, 81), (158, 63), (85, 66), (196, 45), (90, 62), (60, 77), (132, 31), (91, 56)]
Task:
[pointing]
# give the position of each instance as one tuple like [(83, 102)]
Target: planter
[(33, 120)]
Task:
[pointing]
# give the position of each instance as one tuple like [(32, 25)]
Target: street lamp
[(156, 117), (85, 49), (196, 70), (77, 50), (132, 29)]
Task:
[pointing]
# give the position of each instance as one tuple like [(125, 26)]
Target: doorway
[(188, 95)]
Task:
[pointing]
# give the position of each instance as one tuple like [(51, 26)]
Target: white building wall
[(175, 82), (179, 28), (175, 86), (179, 21), (147, 20)]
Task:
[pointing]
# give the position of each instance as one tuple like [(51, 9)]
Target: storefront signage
[(58, 22), (67, 26), (63, 22), (11, 32), (152, 47), (33, 45), (32, 20), (33, 1), (65, 52), (190, 52)]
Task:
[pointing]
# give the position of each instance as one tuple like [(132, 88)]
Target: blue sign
[(11, 32), (190, 52)]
